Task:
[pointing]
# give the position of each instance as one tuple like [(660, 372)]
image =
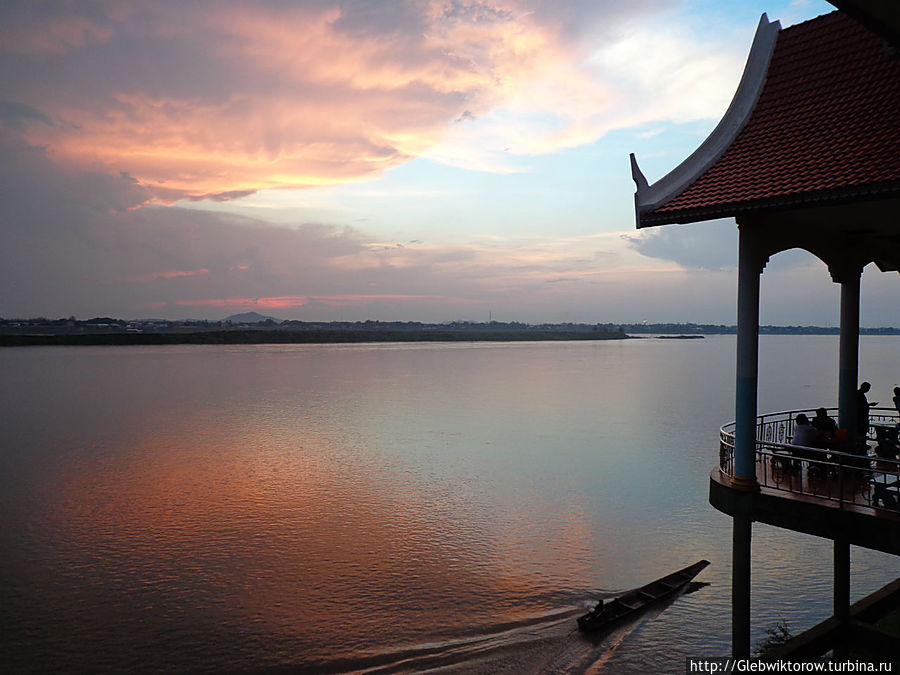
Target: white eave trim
[(650, 197)]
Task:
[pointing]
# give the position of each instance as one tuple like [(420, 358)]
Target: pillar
[(849, 351), (848, 379), (750, 264), (842, 579), (740, 587)]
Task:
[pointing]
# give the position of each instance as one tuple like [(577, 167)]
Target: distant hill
[(250, 317)]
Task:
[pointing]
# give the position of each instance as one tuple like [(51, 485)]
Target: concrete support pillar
[(740, 587), (842, 579), (750, 264), (847, 387), (849, 352)]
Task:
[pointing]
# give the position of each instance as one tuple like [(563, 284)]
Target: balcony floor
[(817, 511), (786, 475)]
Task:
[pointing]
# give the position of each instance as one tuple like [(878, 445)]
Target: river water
[(388, 508)]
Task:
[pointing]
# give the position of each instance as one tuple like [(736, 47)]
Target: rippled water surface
[(387, 508)]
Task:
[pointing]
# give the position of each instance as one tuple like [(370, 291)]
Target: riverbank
[(276, 336)]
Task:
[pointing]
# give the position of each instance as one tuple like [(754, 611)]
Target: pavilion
[(806, 156)]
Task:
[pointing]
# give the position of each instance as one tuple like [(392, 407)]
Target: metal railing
[(862, 479)]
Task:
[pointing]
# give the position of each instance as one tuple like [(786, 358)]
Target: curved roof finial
[(650, 197), (637, 175)]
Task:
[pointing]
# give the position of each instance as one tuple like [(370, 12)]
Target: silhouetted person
[(826, 426), (886, 441), (886, 448), (897, 399), (884, 484), (805, 435), (862, 412)]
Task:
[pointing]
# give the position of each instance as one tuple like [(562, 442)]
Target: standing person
[(897, 399), (862, 412)]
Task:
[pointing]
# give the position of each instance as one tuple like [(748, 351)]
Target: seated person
[(806, 435), (884, 482), (826, 426), (886, 442), (599, 610), (886, 450)]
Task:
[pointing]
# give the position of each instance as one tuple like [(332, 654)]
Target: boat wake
[(543, 643), (563, 639)]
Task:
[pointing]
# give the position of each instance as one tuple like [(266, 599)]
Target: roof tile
[(828, 118)]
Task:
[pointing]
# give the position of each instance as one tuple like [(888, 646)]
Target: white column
[(849, 351), (847, 387), (750, 264)]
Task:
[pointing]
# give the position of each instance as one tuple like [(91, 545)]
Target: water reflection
[(355, 507)]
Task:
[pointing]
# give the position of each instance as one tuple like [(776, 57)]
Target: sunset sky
[(398, 160)]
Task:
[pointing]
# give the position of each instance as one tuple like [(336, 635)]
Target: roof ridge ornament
[(637, 175), (650, 197)]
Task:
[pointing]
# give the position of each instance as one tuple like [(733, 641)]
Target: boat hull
[(635, 602)]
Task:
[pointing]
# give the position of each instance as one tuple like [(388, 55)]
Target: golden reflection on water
[(298, 533), (295, 505)]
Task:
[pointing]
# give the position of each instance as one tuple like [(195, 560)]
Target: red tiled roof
[(826, 126)]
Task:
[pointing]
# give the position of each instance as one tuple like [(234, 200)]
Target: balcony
[(821, 492)]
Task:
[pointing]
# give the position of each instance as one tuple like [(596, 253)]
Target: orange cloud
[(218, 100)]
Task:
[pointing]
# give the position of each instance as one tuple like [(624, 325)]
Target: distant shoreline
[(260, 337), (263, 336), (234, 331)]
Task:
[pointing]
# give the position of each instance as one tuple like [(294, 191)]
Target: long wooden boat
[(607, 615)]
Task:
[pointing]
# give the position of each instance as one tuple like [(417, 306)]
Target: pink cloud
[(224, 99), (168, 275), (293, 301), (268, 303)]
